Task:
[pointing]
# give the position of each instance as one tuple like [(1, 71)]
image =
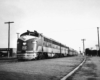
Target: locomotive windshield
[(35, 33)]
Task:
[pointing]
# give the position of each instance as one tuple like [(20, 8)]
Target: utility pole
[(17, 35), (83, 46), (98, 37), (79, 50), (8, 36), (97, 48)]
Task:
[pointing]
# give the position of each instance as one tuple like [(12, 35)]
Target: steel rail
[(74, 70)]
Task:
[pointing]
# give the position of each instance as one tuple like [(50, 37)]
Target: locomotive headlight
[(24, 43)]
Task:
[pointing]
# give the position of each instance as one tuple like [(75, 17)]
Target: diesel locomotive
[(33, 45)]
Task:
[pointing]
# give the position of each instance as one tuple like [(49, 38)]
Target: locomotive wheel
[(41, 56), (46, 55)]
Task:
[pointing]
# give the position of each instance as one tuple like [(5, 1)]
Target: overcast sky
[(66, 21)]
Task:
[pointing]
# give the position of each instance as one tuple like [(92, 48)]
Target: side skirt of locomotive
[(38, 55)]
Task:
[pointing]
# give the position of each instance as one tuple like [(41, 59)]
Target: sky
[(66, 21)]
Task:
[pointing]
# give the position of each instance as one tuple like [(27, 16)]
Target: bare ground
[(50, 69)]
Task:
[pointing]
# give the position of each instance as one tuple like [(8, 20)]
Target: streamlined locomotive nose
[(26, 48)]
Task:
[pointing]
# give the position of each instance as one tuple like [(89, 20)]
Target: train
[(33, 45)]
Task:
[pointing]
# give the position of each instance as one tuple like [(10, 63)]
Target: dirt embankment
[(89, 71)]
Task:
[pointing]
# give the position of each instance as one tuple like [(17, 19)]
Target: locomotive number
[(24, 47)]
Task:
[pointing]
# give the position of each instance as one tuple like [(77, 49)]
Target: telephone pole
[(17, 35), (83, 46), (97, 48), (8, 36), (98, 37), (79, 50)]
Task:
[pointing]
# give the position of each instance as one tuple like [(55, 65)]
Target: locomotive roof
[(54, 42), (35, 33)]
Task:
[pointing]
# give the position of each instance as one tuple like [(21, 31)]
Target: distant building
[(4, 52)]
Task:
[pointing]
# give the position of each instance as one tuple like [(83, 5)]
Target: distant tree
[(99, 53), (92, 52), (87, 52)]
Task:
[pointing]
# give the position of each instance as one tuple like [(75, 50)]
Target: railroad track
[(74, 70)]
